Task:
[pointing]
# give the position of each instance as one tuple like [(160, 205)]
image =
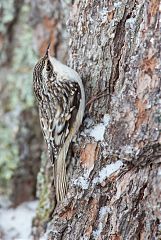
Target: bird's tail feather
[(60, 175)]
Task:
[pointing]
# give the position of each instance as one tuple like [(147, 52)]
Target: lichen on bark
[(114, 46), (115, 189)]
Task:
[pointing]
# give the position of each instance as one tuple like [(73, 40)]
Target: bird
[(61, 102)]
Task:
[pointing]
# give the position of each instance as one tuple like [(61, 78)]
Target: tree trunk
[(29, 141), (115, 190)]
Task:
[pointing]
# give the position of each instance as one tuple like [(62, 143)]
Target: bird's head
[(42, 71), (43, 66)]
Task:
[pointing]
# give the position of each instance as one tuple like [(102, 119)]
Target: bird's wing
[(64, 103)]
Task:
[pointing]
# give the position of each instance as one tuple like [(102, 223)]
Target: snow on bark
[(107, 171), (115, 47)]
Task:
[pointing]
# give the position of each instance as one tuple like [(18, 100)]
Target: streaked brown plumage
[(60, 95)]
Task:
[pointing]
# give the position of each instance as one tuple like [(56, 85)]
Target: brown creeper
[(61, 100)]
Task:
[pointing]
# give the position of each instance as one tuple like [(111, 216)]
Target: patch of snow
[(117, 4), (130, 22), (107, 171), (98, 131), (103, 211), (103, 14), (16, 223), (102, 215), (82, 181)]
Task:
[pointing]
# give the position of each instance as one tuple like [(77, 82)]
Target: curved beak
[(47, 51)]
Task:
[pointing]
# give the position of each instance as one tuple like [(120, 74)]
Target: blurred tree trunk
[(29, 141), (115, 191), (20, 134)]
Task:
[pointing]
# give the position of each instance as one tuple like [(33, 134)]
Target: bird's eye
[(48, 67)]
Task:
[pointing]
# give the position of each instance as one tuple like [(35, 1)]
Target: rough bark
[(115, 47)]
